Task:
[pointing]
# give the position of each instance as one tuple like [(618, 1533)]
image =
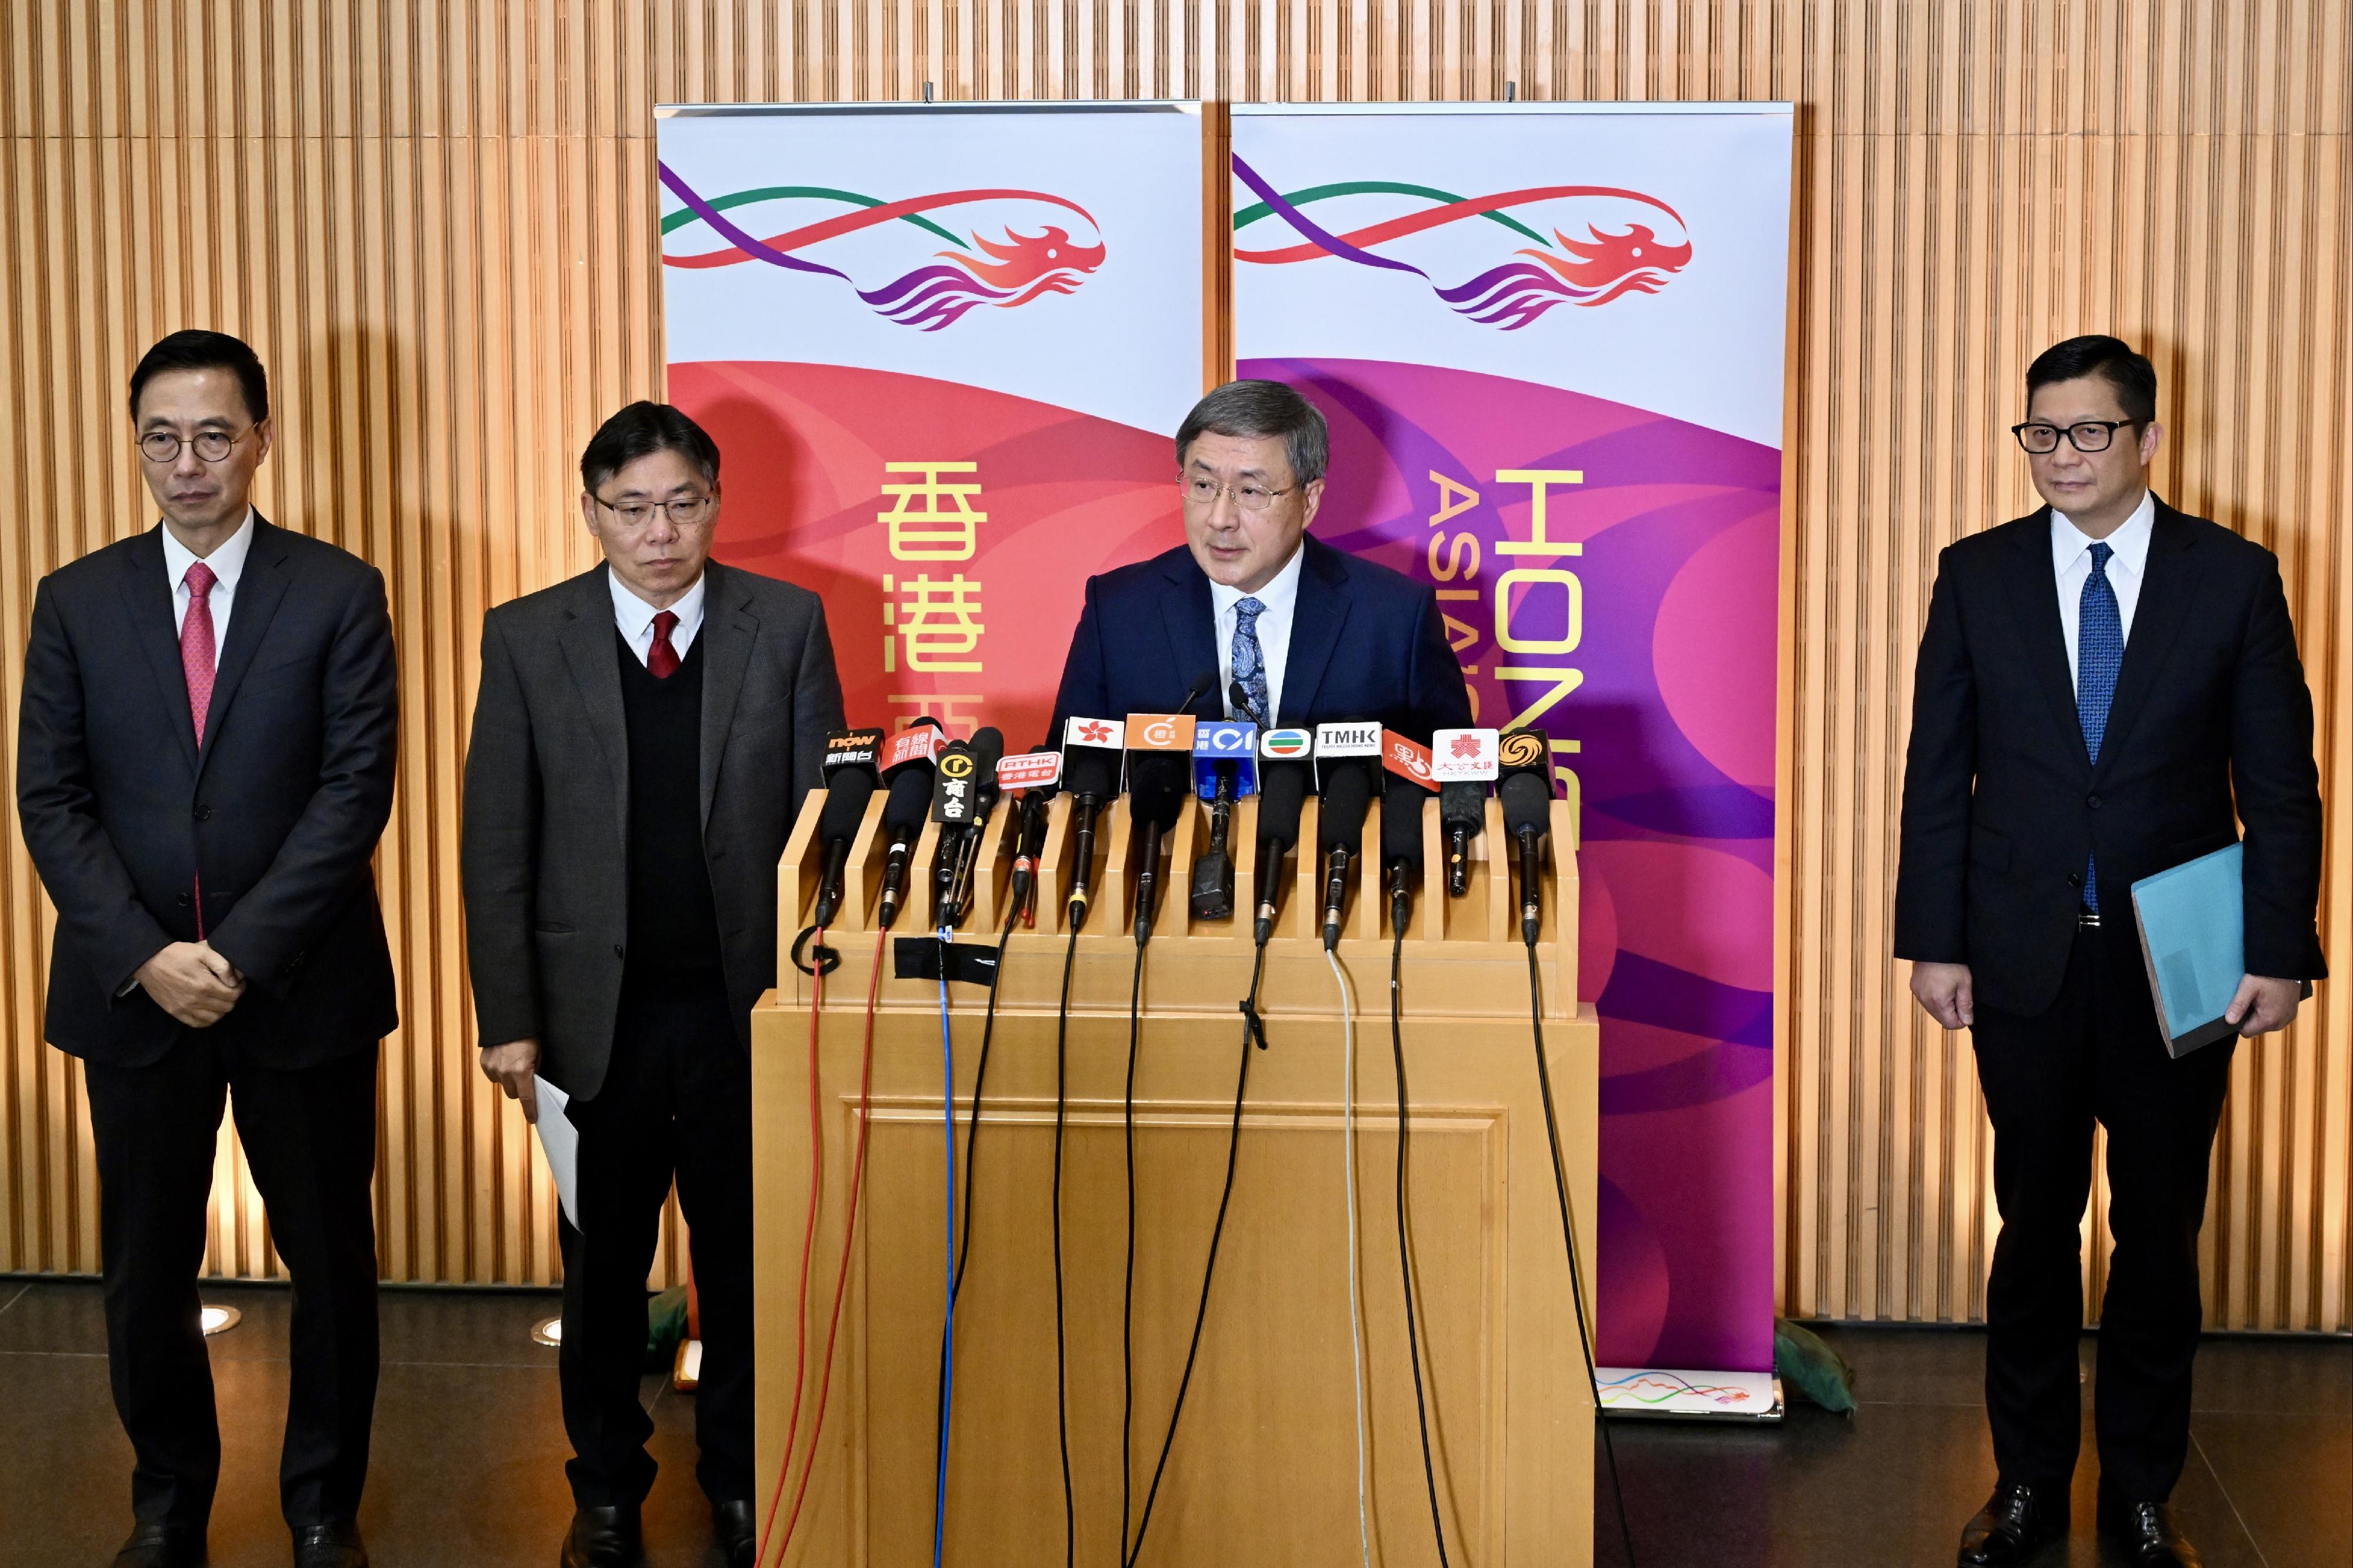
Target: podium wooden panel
[(1263, 1469)]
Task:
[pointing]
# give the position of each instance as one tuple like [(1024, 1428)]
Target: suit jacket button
[(204, 814), (2093, 801), (616, 950), (2074, 879), (186, 900)]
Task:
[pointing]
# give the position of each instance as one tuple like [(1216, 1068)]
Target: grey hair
[(1256, 410)]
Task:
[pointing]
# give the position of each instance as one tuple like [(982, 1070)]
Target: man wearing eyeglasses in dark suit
[(643, 738), (205, 763), (2105, 689)]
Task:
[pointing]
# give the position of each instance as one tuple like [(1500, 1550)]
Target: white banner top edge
[(1064, 106), (1521, 107)]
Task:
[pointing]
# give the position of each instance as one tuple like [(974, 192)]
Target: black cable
[(1404, 1260), (1568, 1240), (1253, 1031), (1127, 1289), (1061, 1389), (971, 1141)]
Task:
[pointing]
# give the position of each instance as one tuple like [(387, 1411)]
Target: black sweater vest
[(673, 923)]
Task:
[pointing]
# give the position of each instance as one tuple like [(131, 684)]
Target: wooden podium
[(1264, 1465)]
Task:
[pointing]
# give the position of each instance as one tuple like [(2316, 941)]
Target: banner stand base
[(1683, 1395)]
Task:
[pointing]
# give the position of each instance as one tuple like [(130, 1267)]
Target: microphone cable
[(822, 962), (1355, 1301), (842, 1274), (1253, 1033), (1127, 1287), (947, 1326), (1568, 1240), (1404, 1260), (1061, 1354)]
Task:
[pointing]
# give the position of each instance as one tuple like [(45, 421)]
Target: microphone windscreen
[(1348, 795), (1282, 790), (845, 806), (1463, 805), (1091, 771), (988, 751), (1527, 804), (1156, 780), (909, 801), (1401, 823)]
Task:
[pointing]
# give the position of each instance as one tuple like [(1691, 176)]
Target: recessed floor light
[(219, 1319), (547, 1331)]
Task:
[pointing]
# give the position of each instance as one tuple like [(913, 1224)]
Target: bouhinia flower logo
[(1016, 245), (1605, 241)]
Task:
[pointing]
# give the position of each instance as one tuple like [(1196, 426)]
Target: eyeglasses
[(684, 513), (1204, 492), (2087, 435), (212, 445)]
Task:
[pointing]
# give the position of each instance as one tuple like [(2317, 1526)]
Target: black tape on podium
[(918, 958)]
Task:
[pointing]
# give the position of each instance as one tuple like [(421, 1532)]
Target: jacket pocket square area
[(553, 928)]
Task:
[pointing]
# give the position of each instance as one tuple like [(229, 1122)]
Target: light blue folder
[(2193, 933)]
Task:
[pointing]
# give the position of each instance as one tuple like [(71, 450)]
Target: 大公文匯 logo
[(1044, 244)]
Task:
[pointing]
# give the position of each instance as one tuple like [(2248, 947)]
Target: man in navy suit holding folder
[(1294, 631), (2105, 689)]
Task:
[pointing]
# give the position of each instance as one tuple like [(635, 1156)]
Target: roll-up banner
[(1548, 339), (942, 349)]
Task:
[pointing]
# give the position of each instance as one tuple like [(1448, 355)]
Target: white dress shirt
[(2071, 556), (1280, 597), (227, 564), (635, 617)]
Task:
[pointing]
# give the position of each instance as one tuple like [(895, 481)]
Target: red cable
[(841, 1276), (808, 1241)]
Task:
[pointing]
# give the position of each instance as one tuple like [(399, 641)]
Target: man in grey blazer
[(643, 738)]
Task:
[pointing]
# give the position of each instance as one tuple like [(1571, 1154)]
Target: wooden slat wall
[(435, 220)]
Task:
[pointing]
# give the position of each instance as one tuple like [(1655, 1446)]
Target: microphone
[(1405, 784), (1036, 774), (1462, 760), (850, 783), (1282, 791), (1526, 795), (1160, 752), (964, 791), (1400, 848), (907, 764), (1092, 750), (1240, 700), (1345, 755), (1224, 769), (1203, 684)]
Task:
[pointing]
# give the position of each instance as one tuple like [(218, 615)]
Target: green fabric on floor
[(1805, 1364)]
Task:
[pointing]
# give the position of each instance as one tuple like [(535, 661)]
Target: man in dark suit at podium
[(205, 762), (2100, 685), (1294, 631), (642, 741)]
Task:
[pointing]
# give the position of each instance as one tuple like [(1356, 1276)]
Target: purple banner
[(1611, 576)]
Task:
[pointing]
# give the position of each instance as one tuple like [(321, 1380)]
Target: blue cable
[(947, 1332)]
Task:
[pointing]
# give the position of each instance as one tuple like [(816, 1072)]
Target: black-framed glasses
[(684, 512), (1204, 492), (212, 445), (2085, 435)]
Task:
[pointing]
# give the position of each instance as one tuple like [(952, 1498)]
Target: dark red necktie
[(197, 650), (661, 659)]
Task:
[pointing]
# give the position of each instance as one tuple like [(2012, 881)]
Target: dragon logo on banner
[(1629, 243), (1042, 244)]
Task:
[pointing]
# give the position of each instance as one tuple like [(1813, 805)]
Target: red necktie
[(196, 652), (662, 659)]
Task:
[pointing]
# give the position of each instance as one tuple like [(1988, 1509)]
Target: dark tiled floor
[(470, 1451), (2269, 1483)]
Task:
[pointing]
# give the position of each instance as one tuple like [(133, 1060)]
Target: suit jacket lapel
[(1189, 615), (2034, 606), (1315, 623), (147, 601), (260, 588), (588, 652), (729, 630), (2169, 586)]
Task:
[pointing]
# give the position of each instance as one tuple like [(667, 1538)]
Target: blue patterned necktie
[(2099, 653), (1249, 662)]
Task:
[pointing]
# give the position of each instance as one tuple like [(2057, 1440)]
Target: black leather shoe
[(738, 1531), (2148, 1536), (162, 1546), (2014, 1524), (335, 1545), (603, 1538)]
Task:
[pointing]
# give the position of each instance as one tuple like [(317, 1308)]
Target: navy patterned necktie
[(1250, 661), (2099, 654)]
